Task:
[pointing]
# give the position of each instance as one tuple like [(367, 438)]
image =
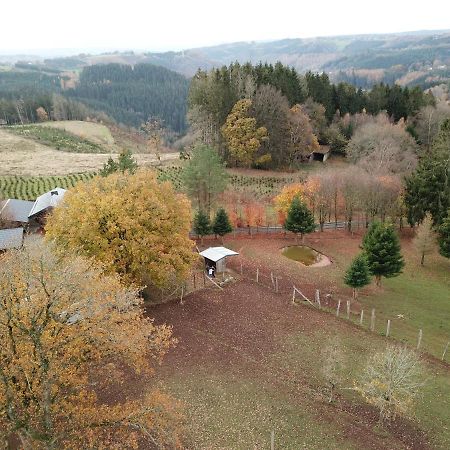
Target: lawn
[(248, 362)]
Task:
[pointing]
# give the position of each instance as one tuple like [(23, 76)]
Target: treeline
[(35, 106), (133, 94), (285, 115)]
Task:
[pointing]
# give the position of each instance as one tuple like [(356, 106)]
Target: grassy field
[(59, 139)]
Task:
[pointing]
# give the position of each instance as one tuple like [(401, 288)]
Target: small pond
[(303, 254)]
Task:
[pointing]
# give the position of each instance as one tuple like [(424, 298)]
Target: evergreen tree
[(299, 219), (202, 224), (126, 162), (428, 188), (358, 274), (444, 237), (109, 167), (221, 225), (382, 248)]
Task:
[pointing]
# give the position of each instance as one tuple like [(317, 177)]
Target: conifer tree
[(425, 239), (221, 225), (299, 219), (358, 274), (382, 248), (202, 224), (444, 237)]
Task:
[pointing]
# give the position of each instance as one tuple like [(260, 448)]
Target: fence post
[(445, 351), (257, 274), (372, 320), (272, 440), (182, 292), (195, 284), (419, 339), (242, 270), (272, 280), (204, 278), (276, 284), (293, 295), (348, 309), (388, 327), (318, 298), (338, 308), (362, 317)]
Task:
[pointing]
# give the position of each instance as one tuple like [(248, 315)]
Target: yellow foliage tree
[(242, 136), (68, 334), (284, 199), (132, 224)]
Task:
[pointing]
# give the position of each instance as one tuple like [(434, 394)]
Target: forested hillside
[(133, 94)]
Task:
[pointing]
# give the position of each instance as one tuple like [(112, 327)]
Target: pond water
[(301, 253)]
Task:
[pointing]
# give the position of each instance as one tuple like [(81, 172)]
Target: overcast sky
[(177, 24)]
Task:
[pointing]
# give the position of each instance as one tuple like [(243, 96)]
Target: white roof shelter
[(11, 238), (48, 200), (217, 253), (15, 210)]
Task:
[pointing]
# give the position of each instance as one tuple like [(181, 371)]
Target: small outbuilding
[(11, 238), (321, 154), (15, 212), (47, 202), (216, 257)]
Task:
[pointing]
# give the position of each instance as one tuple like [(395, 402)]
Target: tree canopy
[(299, 218), (63, 325), (132, 224)]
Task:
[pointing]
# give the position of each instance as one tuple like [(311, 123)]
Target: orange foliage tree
[(65, 330), (284, 199)]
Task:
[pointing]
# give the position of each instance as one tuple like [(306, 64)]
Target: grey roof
[(217, 253), (15, 210), (48, 200), (11, 238)]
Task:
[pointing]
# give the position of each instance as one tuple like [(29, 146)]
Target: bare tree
[(391, 381), (333, 364), (425, 240)]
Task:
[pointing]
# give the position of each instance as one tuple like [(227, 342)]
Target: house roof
[(14, 210), (11, 238), (322, 150), (48, 200), (217, 253)]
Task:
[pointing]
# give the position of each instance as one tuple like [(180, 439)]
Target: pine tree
[(358, 274), (299, 219), (126, 162), (202, 224), (382, 248), (425, 239), (109, 167), (444, 237), (221, 225)]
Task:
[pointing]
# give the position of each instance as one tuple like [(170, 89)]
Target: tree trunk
[(355, 293), (378, 280), (422, 260)]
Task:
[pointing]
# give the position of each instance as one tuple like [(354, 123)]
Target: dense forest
[(131, 95), (281, 117)]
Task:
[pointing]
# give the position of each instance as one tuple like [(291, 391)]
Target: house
[(46, 202), (15, 212), (216, 257), (11, 238), (321, 154)]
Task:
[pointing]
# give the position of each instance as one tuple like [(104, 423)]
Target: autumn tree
[(242, 135), (425, 239), (429, 120), (391, 381), (299, 219), (382, 248), (358, 274), (383, 148), (204, 176), (132, 224), (202, 224), (302, 140), (444, 236), (67, 333), (221, 224), (284, 199), (41, 114), (154, 131)]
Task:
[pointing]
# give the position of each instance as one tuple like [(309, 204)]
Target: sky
[(32, 25)]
